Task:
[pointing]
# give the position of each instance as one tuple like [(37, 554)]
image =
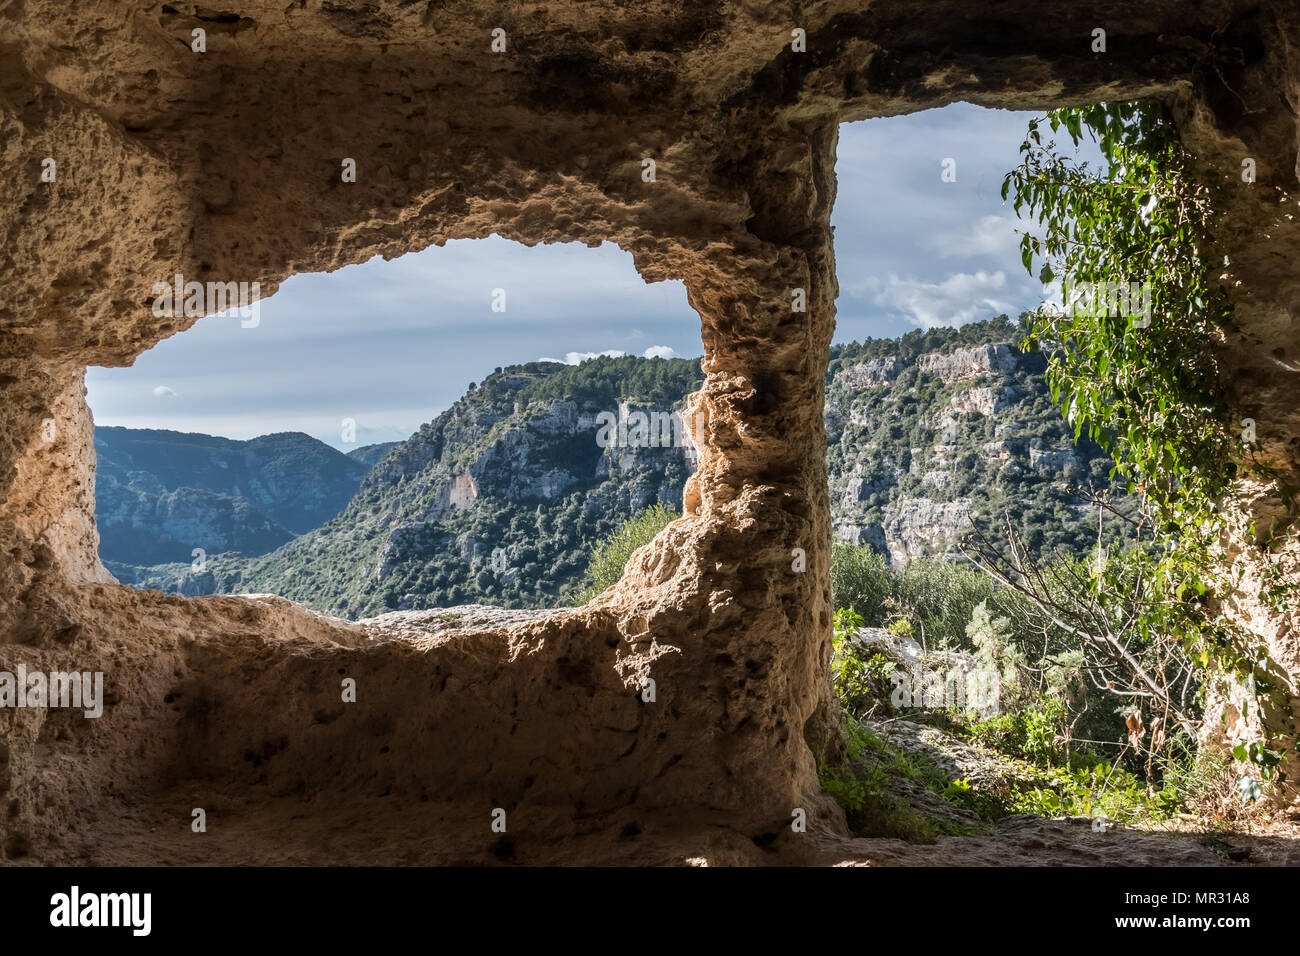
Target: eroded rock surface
[(225, 166)]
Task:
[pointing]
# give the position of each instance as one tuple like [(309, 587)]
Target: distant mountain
[(936, 432), (371, 455), (161, 494), (499, 499)]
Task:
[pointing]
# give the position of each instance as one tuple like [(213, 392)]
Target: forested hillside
[(160, 494), (500, 498)]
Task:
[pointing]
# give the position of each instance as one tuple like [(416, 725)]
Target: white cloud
[(163, 390), (1054, 294), (575, 358), (993, 236), (962, 297), (429, 329), (659, 351)]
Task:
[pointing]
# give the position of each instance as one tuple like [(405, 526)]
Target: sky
[(388, 345)]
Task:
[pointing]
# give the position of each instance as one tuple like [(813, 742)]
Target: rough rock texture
[(463, 617), (922, 526), (967, 363), (225, 166), (910, 468), (957, 759)]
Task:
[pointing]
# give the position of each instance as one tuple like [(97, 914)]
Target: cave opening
[(306, 395), (226, 161), (244, 454)]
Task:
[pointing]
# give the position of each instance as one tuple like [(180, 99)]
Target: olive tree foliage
[(1092, 610)]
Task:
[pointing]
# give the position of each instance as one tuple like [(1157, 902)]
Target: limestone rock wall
[(225, 166)]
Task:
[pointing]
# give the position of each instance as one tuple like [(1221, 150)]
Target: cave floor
[(261, 830)]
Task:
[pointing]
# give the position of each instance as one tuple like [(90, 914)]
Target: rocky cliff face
[(967, 363), (932, 435), (500, 499), (162, 171), (144, 528)]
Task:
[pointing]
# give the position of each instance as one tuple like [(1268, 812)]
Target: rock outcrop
[(968, 363), (516, 480), (225, 166), (912, 470)]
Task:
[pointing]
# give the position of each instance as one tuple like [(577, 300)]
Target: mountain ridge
[(161, 493), (499, 498)]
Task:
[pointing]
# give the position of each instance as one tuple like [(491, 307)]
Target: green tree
[(610, 555), (1144, 382)]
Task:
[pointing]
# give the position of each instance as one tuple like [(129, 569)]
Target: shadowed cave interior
[(223, 165)]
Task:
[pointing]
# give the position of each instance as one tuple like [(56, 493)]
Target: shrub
[(861, 580), (610, 555), (939, 598), (859, 681)]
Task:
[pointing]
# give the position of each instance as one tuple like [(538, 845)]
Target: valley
[(499, 499)]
